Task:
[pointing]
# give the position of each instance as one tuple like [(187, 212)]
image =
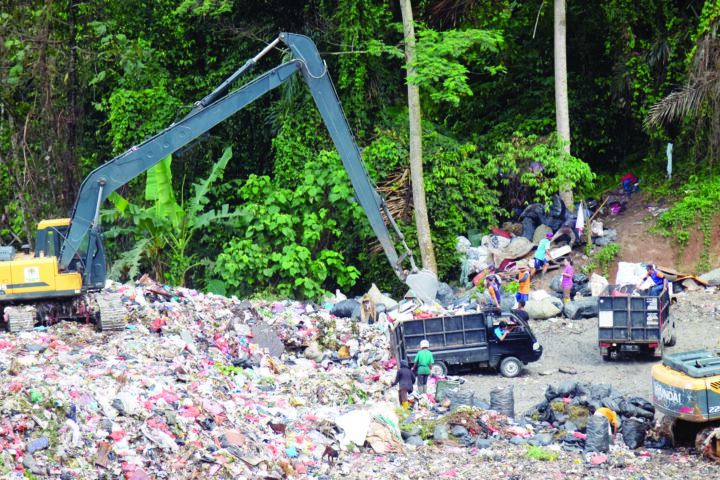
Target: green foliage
[(442, 59), (541, 454), (514, 159), (457, 190), (289, 234), (607, 256), (696, 205), (164, 232), (511, 287)]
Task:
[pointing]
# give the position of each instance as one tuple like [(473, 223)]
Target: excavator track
[(707, 442), (20, 319), (111, 312)]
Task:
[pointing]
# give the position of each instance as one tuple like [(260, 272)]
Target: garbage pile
[(203, 386), (197, 383), (570, 416)]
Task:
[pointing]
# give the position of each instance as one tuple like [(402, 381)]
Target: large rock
[(609, 236), (540, 233), (544, 308), (582, 308), (712, 277)]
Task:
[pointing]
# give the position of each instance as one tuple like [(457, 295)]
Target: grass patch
[(542, 454)]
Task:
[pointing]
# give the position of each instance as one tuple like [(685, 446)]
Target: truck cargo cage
[(628, 322), (7, 254)]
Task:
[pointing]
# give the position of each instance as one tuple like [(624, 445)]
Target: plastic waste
[(37, 444)]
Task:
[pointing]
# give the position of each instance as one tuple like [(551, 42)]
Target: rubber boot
[(406, 405)]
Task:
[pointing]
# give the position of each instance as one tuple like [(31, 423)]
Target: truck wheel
[(606, 357), (511, 367), (439, 369), (671, 341)]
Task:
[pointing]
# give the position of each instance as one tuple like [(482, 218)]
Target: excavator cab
[(49, 240)]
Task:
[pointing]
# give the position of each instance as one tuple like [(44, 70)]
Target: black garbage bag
[(598, 434), (599, 391), (661, 443), (444, 295), (643, 407), (613, 403), (554, 223), (585, 291), (528, 228), (543, 412), (345, 308), (556, 284), (503, 401), (459, 396), (480, 403), (557, 208), (551, 393), (627, 409), (571, 443), (570, 388), (536, 212), (633, 433), (580, 279)]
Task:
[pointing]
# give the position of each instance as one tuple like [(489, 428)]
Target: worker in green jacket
[(423, 362)]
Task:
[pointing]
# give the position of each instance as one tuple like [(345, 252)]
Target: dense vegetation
[(263, 204)]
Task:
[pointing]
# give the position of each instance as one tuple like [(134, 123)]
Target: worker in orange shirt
[(523, 292), (611, 416)]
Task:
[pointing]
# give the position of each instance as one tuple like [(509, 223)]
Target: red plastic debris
[(190, 412)]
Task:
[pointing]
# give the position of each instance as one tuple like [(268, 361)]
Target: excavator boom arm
[(213, 110)]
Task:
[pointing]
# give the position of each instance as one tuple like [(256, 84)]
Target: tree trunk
[(416, 167), (562, 114)]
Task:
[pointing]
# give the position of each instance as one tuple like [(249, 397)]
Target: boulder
[(541, 440), (540, 233), (540, 309), (441, 432), (712, 277)]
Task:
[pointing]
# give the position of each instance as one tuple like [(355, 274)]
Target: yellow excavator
[(686, 389), (64, 277)]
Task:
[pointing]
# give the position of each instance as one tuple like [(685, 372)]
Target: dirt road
[(572, 345)]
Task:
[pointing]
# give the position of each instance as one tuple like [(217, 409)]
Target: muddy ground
[(572, 345)]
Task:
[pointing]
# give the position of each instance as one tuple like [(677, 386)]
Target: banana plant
[(163, 231)]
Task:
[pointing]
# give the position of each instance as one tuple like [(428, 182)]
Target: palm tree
[(699, 98)]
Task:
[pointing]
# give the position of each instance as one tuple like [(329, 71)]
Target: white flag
[(580, 222)]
